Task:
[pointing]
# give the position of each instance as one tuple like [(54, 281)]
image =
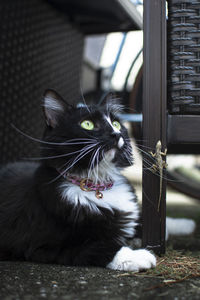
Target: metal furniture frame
[(154, 120), (171, 106)]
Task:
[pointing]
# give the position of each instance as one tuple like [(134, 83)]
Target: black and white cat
[(74, 207)]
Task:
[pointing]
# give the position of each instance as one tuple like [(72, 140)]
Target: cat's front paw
[(132, 260)]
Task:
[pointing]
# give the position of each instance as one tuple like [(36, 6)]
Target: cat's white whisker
[(83, 140), (98, 159), (96, 168), (145, 152), (87, 107), (84, 152), (91, 165), (79, 157), (93, 161), (55, 156), (128, 159)]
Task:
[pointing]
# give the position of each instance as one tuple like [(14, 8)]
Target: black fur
[(35, 223)]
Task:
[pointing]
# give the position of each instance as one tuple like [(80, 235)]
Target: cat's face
[(82, 138)]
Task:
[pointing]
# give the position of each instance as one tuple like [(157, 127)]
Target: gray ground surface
[(29, 281)]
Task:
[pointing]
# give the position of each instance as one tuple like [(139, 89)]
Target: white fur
[(178, 226), (132, 260), (51, 103), (121, 140), (120, 197), (120, 143), (115, 108), (109, 156), (114, 128)]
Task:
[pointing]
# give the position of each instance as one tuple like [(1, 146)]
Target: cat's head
[(84, 139)]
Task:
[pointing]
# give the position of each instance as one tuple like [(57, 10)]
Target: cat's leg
[(179, 226), (104, 255), (45, 256), (127, 259)]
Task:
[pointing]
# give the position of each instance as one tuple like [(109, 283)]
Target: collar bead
[(88, 185)]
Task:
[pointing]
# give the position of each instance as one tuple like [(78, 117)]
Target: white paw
[(178, 226), (132, 260)]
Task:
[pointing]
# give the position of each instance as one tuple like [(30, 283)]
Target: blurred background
[(113, 62)]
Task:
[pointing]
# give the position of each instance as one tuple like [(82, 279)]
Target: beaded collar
[(88, 185)]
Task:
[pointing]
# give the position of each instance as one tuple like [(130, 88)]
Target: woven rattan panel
[(39, 49), (184, 56)]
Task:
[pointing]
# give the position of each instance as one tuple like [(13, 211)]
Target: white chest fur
[(120, 197)]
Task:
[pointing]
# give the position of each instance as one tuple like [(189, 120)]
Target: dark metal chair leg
[(154, 122)]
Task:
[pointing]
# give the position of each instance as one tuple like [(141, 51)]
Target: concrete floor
[(32, 281), (28, 281)]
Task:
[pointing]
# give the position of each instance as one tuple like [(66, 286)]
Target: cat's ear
[(54, 106)]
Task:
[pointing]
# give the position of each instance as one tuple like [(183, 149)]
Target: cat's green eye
[(87, 124), (116, 124)]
